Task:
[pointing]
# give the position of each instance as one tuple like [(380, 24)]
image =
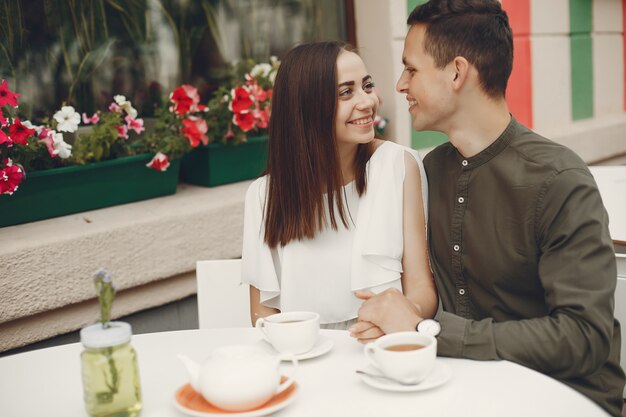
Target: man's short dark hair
[(477, 30)]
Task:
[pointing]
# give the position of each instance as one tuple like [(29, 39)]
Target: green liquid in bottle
[(111, 381)]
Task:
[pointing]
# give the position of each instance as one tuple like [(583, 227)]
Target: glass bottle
[(111, 384)]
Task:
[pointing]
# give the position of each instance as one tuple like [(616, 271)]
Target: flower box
[(217, 164), (72, 189)]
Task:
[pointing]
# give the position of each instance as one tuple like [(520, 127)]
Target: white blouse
[(321, 274)]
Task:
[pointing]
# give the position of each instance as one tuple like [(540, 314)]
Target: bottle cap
[(97, 336)]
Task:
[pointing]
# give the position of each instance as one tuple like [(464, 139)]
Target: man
[(518, 237)]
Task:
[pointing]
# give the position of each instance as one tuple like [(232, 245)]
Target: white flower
[(125, 105), (272, 77), (120, 99), (262, 70), (67, 119), (63, 149)]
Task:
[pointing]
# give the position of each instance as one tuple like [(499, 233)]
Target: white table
[(47, 382), (611, 180)]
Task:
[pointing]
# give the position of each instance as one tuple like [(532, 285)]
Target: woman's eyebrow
[(367, 77)]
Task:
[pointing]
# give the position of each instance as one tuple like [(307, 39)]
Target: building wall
[(568, 80)]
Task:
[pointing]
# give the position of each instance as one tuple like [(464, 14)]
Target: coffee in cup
[(293, 332), (408, 357)]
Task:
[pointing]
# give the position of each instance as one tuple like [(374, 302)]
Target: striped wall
[(568, 66)]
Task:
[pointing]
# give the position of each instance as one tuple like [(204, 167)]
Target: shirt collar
[(492, 150)]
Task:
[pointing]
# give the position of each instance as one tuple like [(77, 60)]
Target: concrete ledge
[(31, 329), (149, 247)]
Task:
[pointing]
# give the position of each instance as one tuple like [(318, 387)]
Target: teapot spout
[(193, 369)]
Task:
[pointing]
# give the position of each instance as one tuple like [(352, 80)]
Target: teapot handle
[(260, 324), (290, 378)]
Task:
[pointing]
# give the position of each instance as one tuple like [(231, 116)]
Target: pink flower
[(229, 134), (47, 138), (113, 107), (91, 120), (195, 130), (160, 162), (134, 124), (263, 117), (11, 177), (242, 100), (246, 121), (7, 96), (122, 131), (20, 133), (258, 92)]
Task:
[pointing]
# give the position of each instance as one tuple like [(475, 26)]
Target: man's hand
[(389, 312)]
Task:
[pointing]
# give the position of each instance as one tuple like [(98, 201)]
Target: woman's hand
[(390, 312)]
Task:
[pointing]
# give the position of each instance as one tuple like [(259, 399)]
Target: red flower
[(182, 102), (195, 130), (5, 139), (245, 121), (3, 121), (242, 100), (20, 133), (160, 162), (186, 99), (11, 177), (7, 96)]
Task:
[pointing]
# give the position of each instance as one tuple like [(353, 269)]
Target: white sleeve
[(379, 243), (257, 266)]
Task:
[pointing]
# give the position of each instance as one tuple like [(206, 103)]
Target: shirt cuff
[(450, 340)]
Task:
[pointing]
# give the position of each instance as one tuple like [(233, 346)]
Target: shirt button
[(464, 163), (461, 200), (456, 248), (462, 291)]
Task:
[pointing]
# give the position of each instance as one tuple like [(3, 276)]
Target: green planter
[(218, 164), (67, 190)]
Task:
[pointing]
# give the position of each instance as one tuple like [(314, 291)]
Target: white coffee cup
[(238, 377), (396, 356), (293, 332)]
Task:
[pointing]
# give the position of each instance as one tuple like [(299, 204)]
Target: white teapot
[(238, 378)]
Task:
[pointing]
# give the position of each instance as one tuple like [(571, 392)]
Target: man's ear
[(460, 68)]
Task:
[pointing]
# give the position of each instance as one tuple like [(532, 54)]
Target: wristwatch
[(428, 326)]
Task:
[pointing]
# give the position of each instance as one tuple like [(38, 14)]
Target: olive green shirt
[(524, 264)]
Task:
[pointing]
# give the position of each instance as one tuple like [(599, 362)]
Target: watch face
[(430, 327)]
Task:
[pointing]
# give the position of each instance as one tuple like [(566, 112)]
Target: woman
[(339, 210)]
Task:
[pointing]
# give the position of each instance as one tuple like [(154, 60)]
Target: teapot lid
[(97, 336)]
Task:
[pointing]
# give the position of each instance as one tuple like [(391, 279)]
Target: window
[(84, 52)]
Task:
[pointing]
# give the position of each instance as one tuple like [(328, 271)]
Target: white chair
[(222, 300), (621, 265)]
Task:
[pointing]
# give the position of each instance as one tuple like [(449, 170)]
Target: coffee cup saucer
[(440, 374), (192, 403), (322, 345)]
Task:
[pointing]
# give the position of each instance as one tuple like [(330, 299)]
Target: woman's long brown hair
[(303, 161)]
